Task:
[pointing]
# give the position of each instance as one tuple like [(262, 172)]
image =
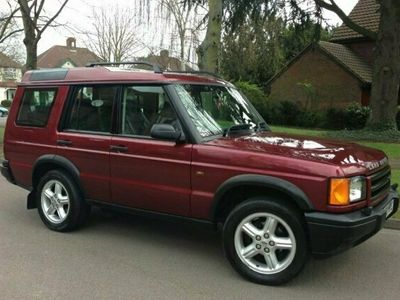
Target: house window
[(10, 93), (10, 74)]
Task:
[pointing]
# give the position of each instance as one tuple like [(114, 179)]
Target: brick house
[(10, 74), (68, 56), (167, 62), (334, 73)]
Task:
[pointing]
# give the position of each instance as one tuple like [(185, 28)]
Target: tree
[(8, 26), (186, 20), (263, 48), (35, 22), (386, 70), (114, 34)]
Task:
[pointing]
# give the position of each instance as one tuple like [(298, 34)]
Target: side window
[(35, 107), (144, 106), (91, 109)]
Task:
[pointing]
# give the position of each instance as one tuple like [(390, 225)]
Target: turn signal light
[(339, 191)]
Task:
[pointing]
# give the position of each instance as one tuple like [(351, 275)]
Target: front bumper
[(333, 233), (6, 171)]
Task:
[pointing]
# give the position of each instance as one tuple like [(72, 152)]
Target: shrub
[(256, 96), (356, 116), (353, 117), (334, 119), (6, 103)]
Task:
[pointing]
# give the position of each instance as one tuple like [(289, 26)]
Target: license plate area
[(389, 208)]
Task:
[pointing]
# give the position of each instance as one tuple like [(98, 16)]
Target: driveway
[(3, 121), (128, 257)]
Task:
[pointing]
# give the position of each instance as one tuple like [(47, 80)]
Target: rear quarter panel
[(23, 145)]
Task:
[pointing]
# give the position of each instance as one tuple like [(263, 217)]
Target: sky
[(77, 14)]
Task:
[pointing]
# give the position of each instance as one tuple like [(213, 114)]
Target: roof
[(113, 75), (56, 56), (340, 54), (7, 62), (349, 60), (366, 14)]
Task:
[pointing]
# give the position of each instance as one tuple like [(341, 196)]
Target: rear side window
[(35, 107), (91, 109)]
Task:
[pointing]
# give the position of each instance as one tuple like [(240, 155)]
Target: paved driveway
[(3, 121), (121, 257)]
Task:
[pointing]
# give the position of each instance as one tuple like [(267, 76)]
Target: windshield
[(215, 109)]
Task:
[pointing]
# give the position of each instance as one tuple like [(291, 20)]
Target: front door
[(147, 173)]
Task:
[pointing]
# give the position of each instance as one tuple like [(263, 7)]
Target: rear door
[(85, 136), (147, 173)]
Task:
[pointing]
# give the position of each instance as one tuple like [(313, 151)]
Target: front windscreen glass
[(216, 109)]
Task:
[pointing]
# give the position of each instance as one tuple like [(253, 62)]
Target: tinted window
[(35, 107), (144, 106), (91, 109)]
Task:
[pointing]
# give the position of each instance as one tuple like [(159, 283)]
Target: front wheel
[(265, 241)]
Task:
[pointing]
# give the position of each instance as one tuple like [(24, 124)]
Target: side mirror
[(166, 132)]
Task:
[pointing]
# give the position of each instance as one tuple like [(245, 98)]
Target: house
[(167, 62), (334, 73), (68, 56), (10, 74)]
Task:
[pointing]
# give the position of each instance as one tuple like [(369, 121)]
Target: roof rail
[(155, 67), (196, 72)]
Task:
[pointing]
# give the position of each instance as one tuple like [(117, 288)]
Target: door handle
[(64, 142), (119, 148)]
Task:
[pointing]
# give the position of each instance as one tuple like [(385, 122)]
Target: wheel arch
[(49, 162), (255, 185)]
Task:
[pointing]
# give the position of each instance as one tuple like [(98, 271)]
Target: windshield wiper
[(236, 127), (262, 126)]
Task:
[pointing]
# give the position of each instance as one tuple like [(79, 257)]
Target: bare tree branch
[(8, 27), (113, 36), (332, 6), (35, 22)]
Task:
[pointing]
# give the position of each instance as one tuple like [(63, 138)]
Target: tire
[(60, 203), (265, 241)]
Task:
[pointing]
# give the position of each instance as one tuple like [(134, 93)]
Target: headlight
[(357, 188), (344, 191)]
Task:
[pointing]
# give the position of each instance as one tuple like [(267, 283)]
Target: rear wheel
[(60, 203), (265, 241)]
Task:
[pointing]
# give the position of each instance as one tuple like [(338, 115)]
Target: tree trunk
[(182, 35), (386, 72), (31, 55), (209, 50), (30, 40)]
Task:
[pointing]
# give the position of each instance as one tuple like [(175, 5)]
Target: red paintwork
[(153, 175), (173, 178)]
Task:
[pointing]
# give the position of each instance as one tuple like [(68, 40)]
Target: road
[(3, 121), (128, 257)]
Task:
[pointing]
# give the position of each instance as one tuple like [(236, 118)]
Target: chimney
[(71, 43)]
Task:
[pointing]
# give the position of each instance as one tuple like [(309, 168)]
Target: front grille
[(380, 183)]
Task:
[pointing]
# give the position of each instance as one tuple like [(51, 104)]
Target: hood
[(337, 153)]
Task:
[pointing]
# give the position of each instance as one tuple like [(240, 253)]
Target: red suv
[(191, 146)]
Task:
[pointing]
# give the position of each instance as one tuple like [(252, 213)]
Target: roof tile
[(366, 14), (7, 62), (56, 56), (349, 60)]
